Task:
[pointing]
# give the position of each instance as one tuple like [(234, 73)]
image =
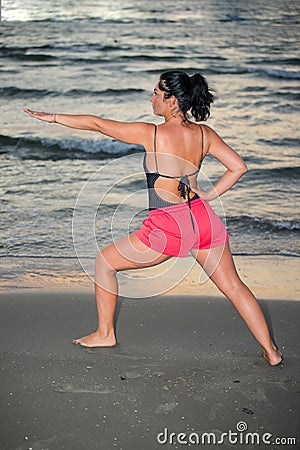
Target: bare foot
[(275, 358), (95, 340)]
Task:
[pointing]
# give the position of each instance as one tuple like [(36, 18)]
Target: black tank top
[(155, 201)]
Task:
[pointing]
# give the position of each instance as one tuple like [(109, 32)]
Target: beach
[(183, 364), (185, 372)]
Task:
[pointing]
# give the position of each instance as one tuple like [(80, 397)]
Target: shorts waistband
[(176, 207)]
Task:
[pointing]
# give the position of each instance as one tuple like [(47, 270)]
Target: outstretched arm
[(234, 164), (130, 132)]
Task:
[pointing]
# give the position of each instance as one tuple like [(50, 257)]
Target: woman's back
[(177, 153)]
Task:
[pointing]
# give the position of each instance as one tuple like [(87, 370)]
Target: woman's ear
[(173, 101), (173, 105)]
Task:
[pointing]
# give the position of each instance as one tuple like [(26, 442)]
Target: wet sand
[(270, 277), (183, 364)]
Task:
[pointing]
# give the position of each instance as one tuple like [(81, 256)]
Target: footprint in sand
[(68, 388), (168, 406), (288, 384)]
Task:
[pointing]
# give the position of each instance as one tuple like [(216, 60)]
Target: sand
[(183, 364)]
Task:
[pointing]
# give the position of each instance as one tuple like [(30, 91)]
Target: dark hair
[(192, 93)]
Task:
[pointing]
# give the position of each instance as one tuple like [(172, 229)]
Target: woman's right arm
[(130, 132), (233, 163)]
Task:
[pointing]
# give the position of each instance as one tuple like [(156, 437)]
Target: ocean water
[(104, 58)]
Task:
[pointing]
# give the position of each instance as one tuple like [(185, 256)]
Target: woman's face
[(158, 101)]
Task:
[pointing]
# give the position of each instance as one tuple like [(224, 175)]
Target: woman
[(180, 218)]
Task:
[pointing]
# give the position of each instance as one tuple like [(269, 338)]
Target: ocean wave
[(269, 253), (102, 54), (100, 20), (283, 142), (240, 70), (15, 92), (87, 47), (63, 20), (103, 93), (209, 70), (277, 73), (97, 54), (48, 256), (68, 148), (280, 61), (294, 96), (101, 48), (127, 58), (276, 173), (42, 256), (24, 53), (79, 48), (252, 223)]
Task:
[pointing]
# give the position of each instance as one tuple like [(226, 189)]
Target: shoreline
[(269, 277)]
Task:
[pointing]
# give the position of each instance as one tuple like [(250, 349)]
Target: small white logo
[(241, 426)]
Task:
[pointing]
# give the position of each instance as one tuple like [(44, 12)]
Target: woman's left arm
[(234, 164), (130, 132)]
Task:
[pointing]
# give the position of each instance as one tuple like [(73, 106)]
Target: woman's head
[(191, 92)]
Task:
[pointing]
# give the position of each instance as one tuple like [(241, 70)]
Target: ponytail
[(201, 97), (192, 93)]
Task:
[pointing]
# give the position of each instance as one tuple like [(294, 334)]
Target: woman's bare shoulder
[(207, 129)]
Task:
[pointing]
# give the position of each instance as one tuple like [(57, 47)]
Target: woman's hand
[(45, 117), (204, 195)]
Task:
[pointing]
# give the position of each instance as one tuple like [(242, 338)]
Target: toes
[(83, 342)]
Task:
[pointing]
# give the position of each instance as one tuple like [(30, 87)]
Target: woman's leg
[(219, 266), (127, 253)]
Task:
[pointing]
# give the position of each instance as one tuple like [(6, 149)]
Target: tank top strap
[(154, 146), (202, 146)]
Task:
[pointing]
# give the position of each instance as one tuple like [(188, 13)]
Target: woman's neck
[(173, 117)]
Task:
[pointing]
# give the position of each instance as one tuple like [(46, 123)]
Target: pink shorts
[(170, 230)]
